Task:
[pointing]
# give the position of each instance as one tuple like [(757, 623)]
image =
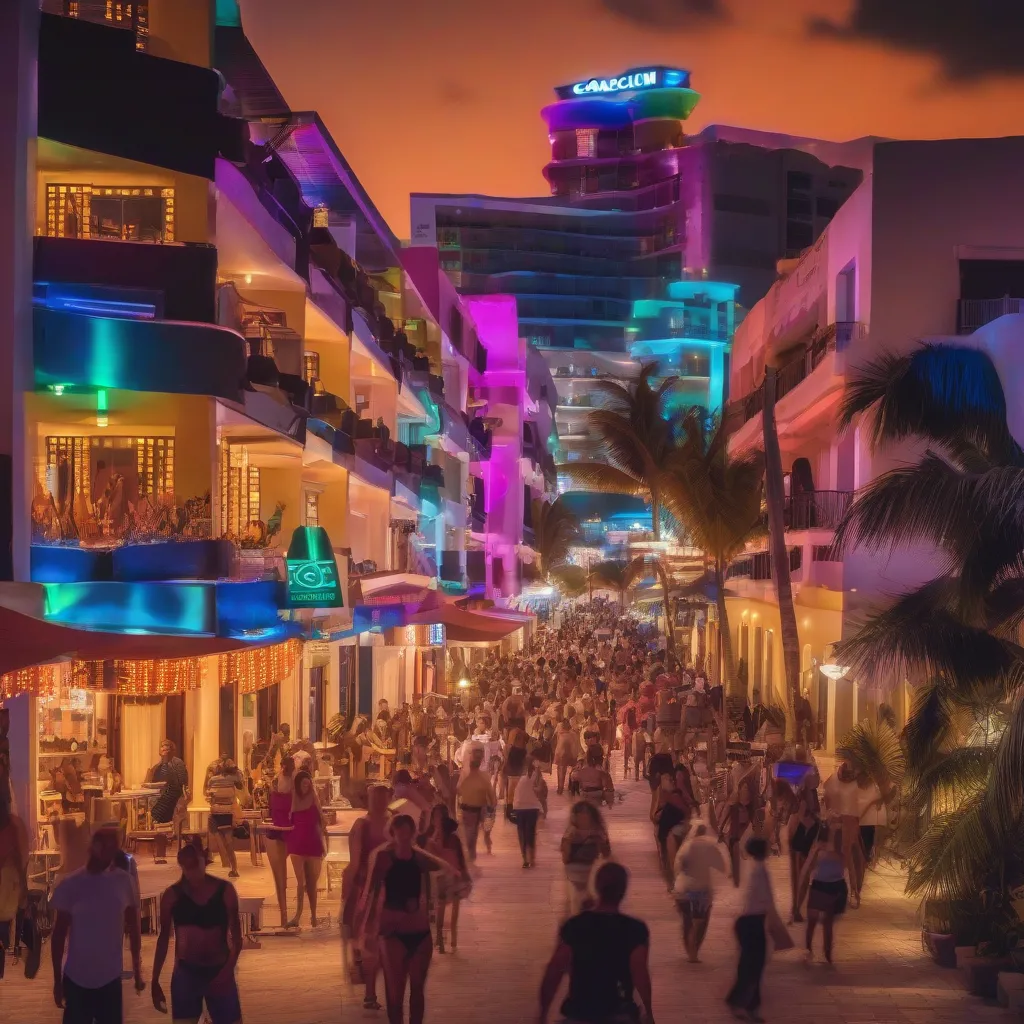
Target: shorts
[(804, 838), (695, 903), (827, 897), (219, 821), (190, 988)]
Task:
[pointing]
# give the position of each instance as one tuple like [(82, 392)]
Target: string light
[(43, 680), (260, 667), (253, 669)]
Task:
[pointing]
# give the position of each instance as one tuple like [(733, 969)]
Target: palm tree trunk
[(724, 633), (670, 639), (655, 514), (776, 499)]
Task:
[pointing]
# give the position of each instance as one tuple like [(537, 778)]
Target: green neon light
[(312, 570), (101, 401)]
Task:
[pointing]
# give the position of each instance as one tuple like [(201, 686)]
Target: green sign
[(312, 570)]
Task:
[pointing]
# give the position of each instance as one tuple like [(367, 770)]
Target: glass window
[(127, 214)]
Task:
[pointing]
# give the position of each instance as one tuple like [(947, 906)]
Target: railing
[(815, 510), (758, 565), (833, 338), (975, 313)]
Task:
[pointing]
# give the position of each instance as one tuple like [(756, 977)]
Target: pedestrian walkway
[(881, 975)]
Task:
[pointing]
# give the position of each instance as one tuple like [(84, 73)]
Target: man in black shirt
[(604, 953)]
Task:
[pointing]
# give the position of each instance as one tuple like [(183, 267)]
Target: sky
[(445, 95)]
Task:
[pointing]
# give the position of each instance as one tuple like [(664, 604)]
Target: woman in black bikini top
[(400, 873)]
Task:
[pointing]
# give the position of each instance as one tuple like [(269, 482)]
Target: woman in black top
[(203, 911), (396, 905)]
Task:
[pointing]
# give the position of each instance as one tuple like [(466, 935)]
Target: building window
[(311, 366), (799, 236), (240, 491), (127, 214), (586, 142), (312, 508), (825, 206)]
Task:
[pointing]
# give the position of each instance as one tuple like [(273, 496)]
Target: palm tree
[(554, 530), (717, 499), (636, 437), (775, 499), (961, 630), (613, 576), (571, 579)]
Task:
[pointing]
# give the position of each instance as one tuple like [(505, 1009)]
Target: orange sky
[(444, 95)]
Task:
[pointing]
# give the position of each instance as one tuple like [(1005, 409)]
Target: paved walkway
[(507, 933)]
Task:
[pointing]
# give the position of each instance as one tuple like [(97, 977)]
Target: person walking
[(514, 767), (367, 834), (605, 954), (584, 843), (172, 802), (442, 840), (757, 914), (475, 796), (203, 912), (223, 787), (693, 889), (307, 844), (396, 905), (567, 752), (826, 873), (14, 854), (527, 806), (94, 908)]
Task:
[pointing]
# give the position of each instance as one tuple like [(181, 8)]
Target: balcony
[(835, 337), (975, 313), (181, 278), (75, 350), (759, 566), (98, 92), (815, 510)]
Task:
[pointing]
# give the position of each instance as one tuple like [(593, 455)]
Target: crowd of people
[(592, 709), (543, 725)]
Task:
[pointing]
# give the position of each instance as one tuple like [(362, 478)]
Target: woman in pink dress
[(307, 843)]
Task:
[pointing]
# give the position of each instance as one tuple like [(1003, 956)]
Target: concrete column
[(24, 758), (830, 725), (19, 31)]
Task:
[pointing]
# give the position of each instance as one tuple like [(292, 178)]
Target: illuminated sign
[(312, 570), (629, 81)]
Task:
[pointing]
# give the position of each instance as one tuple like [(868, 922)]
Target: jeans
[(746, 993), (92, 1005), (526, 824)]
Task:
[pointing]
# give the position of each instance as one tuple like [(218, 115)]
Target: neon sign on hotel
[(632, 80)]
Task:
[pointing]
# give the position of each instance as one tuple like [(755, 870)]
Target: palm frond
[(954, 855), (938, 392), (601, 478), (875, 750)]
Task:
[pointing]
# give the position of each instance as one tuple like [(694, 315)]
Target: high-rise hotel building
[(651, 241)]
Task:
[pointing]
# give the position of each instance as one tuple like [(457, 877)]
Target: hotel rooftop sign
[(634, 80)]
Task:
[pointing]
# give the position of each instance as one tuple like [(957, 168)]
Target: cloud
[(454, 93), (668, 13), (971, 38)]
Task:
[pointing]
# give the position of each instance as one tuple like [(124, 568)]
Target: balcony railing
[(975, 313), (833, 338), (815, 510), (758, 565)]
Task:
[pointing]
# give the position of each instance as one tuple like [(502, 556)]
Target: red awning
[(463, 627), (26, 641)]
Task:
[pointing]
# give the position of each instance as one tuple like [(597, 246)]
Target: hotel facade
[(929, 247), (245, 439)]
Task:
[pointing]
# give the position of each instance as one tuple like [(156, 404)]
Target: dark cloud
[(972, 38), (668, 13), (454, 93)]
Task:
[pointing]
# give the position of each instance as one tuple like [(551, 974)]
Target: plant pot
[(941, 946)]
